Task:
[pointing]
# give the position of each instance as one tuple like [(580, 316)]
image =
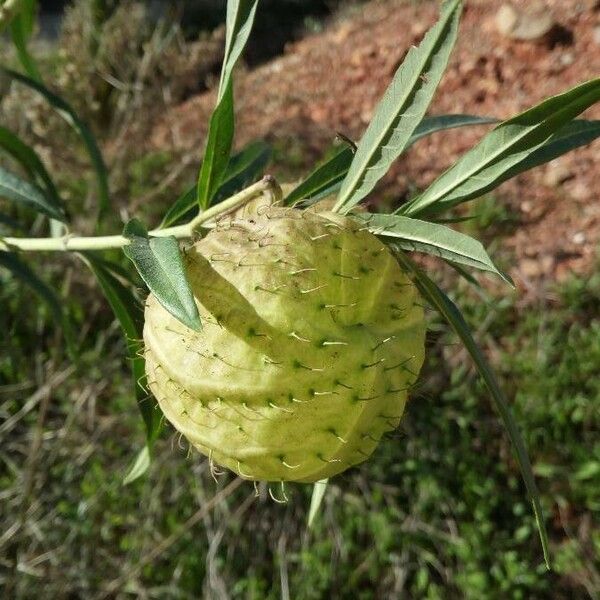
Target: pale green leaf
[(511, 148), (158, 261), (140, 465), (327, 178), (240, 16), (432, 238), (316, 500), (401, 109)]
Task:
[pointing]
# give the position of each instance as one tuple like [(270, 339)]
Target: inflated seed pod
[(312, 336)]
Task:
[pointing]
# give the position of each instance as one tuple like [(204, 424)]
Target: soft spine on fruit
[(312, 337)]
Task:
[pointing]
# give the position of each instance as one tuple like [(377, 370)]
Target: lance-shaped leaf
[(31, 162), (432, 238), (128, 313), (22, 192), (316, 500), (240, 16), (21, 29), (70, 116), (9, 222), (243, 168), (139, 466), (401, 109), (511, 148), (159, 263), (324, 180), (181, 207), (450, 312), (24, 273), (328, 177)]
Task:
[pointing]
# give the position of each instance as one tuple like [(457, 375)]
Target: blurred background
[(440, 510)]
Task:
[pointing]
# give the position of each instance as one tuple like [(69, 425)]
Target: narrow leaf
[(511, 148), (9, 222), (128, 312), (22, 192), (159, 263), (316, 500), (181, 207), (439, 240), (438, 300), (218, 148), (324, 180), (70, 116), (24, 273), (21, 29), (31, 162), (328, 177), (140, 465), (573, 135), (240, 16), (243, 168), (401, 109)]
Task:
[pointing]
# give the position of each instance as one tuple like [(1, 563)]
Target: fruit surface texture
[(312, 336)]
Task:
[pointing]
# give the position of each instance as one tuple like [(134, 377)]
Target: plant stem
[(70, 243)]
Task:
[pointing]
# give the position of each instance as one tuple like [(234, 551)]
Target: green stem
[(71, 243)]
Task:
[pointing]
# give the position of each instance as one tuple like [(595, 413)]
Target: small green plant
[(284, 341)]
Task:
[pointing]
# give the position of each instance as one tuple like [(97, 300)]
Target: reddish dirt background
[(331, 81)]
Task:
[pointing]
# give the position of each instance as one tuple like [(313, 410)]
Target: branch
[(71, 243)]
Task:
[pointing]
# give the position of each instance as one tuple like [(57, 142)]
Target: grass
[(439, 512)]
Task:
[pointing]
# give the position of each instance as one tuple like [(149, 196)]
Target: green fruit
[(312, 337)]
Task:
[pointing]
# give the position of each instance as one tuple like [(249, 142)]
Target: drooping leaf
[(28, 194), (160, 265), (436, 123), (185, 203), (21, 28), (129, 314), (327, 178), (401, 109), (31, 162), (316, 500), (243, 168), (139, 466), (450, 312), (573, 135), (24, 273), (70, 116), (465, 274), (240, 16), (9, 222), (324, 180), (432, 238), (511, 148)]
